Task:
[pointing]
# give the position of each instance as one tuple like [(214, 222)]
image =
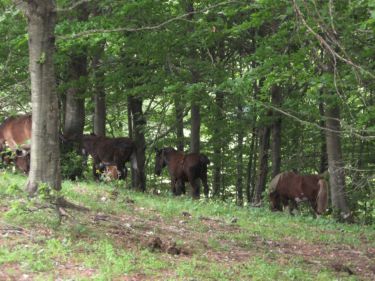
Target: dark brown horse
[(183, 168), (15, 133), (109, 151), (289, 188)]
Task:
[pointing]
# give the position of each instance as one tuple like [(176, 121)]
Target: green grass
[(86, 250)]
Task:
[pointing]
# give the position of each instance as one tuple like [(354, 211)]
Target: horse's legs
[(179, 187), (96, 170), (183, 190), (195, 188), (173, 186), (205, 184), (121, 169), (292, 206)]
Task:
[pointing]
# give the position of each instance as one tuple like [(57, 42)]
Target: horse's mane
[(275, 181)]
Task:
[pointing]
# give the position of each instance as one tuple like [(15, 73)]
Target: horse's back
[(16, 130)]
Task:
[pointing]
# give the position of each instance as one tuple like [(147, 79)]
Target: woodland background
[(258, 86)]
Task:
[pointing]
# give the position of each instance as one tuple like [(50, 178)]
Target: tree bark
[(195, 128), (263, 165), (100, 113), (130, 129), (249, 170), (75, 101), (240, 136), (45, 165), (276, 131), (218, 144), (335, 161), (323, 145), (139, 123), (179, 108)]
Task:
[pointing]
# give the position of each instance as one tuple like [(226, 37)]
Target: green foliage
[(239, 49)]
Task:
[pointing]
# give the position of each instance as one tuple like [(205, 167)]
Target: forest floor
[(127, 235)]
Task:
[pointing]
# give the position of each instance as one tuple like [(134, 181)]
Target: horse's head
[(275, 204), (159, 161), (22, 160)]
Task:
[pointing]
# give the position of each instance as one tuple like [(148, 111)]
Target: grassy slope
[(118, 239)]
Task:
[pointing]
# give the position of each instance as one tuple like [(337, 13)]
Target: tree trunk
[(323, 145), (263, 165), (75, 101), (218, 144), (179, 122), (99, 119), (276, 131), (139, 123), (45, 165), (240, 136), (195, 128), (335, 161), (249, 174), (130, 129)]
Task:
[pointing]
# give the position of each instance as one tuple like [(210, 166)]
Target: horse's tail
[(322, 198), (204, 159)]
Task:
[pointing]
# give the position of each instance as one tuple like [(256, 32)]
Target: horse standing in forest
[(182, 168), (110, 152), (289, 188), (15, 132)]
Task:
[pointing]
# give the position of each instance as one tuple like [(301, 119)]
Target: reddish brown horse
[(109, 151), (183, 168), (15, 132), (289, 188)]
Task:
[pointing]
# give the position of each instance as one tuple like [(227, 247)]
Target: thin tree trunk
[(263, 164), (195, 128), (139, 123), (45, 165), (130, 129), (276, 131), (179, 122), (75, 101), (217, 144), (249, 174), (240, 136), (100, 113), (323, 145), (335, 161)]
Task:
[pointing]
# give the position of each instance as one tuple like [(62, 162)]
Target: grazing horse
[(111, 173), (182, 168), (289, 188), (109, 152), (15, 132), (20, 158)]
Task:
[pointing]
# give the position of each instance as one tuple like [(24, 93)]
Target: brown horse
[(109, 151), (20, 158), (15, 132), (182, 168), (289, 188)]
